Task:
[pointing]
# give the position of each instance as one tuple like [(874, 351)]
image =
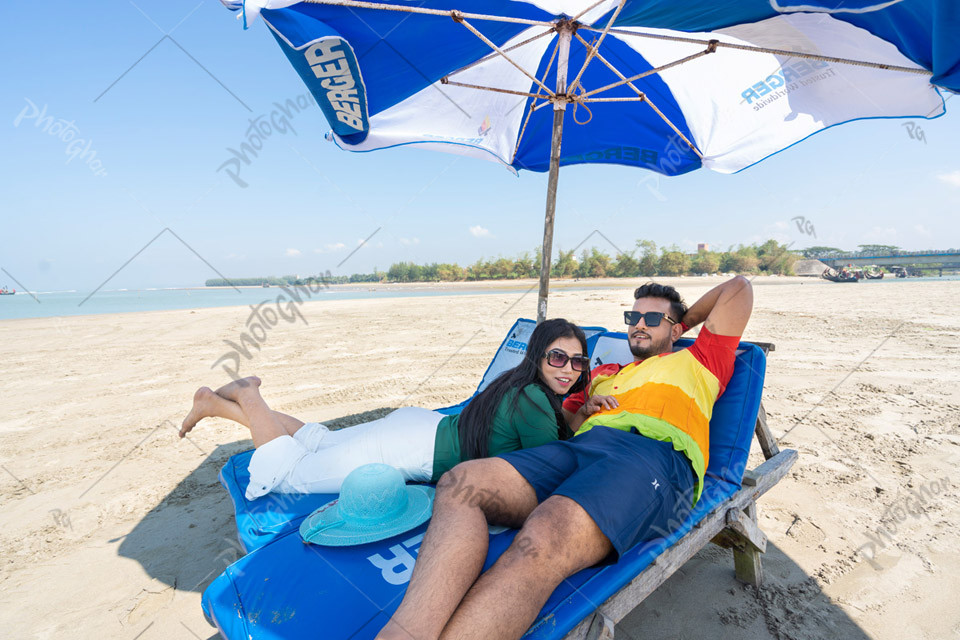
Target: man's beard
[(651, 349)]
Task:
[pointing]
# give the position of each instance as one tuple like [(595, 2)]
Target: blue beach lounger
[(284, 588), (260, 521)]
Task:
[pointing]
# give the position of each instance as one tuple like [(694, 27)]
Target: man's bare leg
[(212, 404), (557, 540), (455, 545)]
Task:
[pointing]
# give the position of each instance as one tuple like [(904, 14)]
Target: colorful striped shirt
[(668, 398)]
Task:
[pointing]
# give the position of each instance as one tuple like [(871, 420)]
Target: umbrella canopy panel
[(723, 98)]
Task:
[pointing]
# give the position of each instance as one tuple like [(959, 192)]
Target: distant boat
[(7, 292), (266, 285), (874, 274), (838, 276)]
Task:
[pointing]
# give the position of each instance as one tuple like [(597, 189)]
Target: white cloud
[(409, 241), (480, 232), (922, 230), (292, 253), (327, 248), (952, 178)]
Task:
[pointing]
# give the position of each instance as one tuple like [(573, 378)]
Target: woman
[(519, 409)]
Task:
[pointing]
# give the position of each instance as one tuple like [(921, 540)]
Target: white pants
[(316, 460)]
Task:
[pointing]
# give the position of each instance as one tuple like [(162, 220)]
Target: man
[(641, 449)]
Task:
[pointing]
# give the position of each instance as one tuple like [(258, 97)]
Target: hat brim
[(419, 509)]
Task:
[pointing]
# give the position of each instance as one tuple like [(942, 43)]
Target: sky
[(155, 93)]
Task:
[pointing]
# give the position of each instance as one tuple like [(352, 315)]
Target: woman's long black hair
[(477, 416)]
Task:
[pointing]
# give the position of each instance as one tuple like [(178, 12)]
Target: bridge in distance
[(947, 259)]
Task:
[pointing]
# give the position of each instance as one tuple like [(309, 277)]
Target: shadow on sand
[(703, 599), (190, 537)]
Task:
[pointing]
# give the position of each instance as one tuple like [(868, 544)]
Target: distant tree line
[(646, 260), (377, 276)]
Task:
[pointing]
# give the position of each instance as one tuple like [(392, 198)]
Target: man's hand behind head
[(730, 314)]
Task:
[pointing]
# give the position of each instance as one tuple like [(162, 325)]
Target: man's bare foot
[(231, 391), (203, 404)]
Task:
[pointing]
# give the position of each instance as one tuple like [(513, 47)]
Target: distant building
[(703, 246)]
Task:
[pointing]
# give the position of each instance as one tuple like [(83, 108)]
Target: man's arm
[(725, 308)]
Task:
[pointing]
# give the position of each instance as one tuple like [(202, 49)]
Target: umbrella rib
[(546, 72), (636, 99), (675, 129), (496, 89), (641, 97), (669, 65), (778, 52), (459, 18), (494, 55), (610, 66), (594, 49), (430, 12), (587, 10)]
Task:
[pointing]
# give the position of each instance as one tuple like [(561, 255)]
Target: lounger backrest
[(510, 354), (514, 346), (729, 439)]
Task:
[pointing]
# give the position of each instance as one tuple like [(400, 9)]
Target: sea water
[(47, 304)]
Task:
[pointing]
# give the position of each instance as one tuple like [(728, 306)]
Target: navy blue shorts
[(632, 486)]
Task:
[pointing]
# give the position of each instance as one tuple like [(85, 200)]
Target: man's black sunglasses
[(558, 359), (650, 318)]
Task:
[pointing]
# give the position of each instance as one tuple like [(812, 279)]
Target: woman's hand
[(598, 403)]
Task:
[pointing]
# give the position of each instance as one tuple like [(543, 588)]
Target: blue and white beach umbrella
[(665, 86)]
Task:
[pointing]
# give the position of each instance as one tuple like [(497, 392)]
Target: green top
[(532, 423)]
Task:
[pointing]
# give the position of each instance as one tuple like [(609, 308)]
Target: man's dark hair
[(678, 308)]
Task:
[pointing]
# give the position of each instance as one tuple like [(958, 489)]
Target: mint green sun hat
[(374, 504)]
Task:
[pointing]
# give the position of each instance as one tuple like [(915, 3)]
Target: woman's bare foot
[(203, 407), (230, 390)]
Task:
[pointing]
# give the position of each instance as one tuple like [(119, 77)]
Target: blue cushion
[(260, 521), (735, 416), (288, 589)]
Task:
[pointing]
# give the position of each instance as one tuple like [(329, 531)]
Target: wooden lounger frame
[(732, 524)]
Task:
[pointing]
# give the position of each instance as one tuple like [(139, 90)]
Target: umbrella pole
[(565, 29)]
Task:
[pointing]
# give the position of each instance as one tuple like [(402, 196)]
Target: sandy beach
[(113, 526)]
